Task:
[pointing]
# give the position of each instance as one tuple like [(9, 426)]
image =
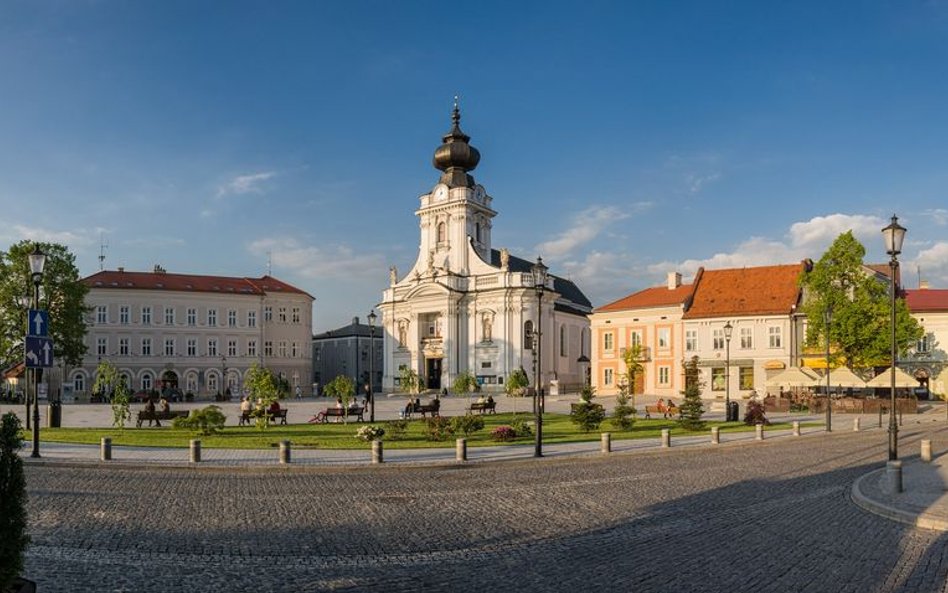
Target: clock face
[(479, 193), (441, 193)]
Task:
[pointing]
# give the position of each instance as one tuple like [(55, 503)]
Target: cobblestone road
[(770, 516)]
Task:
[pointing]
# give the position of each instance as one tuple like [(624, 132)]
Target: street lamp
[(728, 330), (893, 234), (372, 318), (539, 284), (223, 387), (827, 320), (37, 263)]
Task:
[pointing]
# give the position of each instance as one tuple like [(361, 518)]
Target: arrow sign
[(39, 352), (38, 323)]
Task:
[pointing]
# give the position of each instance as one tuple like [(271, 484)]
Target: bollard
[(284, 451), (460, 449), (715, 435), (855, 424), (900, 416), (105, 449), (880, 417), (666, 438), (893, 474), (796, 428), (760, 432), (926, 450), (377, 452), (605, 442), (195, 451)]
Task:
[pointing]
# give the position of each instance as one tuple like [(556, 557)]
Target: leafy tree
[(13, 534), (465, 382), (691, 407), (632, 356), (342, 388), (109, 380), (263, 386), (410, 381), (860, 305), (517, 382), (63, 295)]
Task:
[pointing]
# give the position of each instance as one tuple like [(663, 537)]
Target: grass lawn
[(557, 428)]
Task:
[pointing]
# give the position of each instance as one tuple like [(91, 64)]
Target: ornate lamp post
[(827, 320), (539, 284), (37, 263), (372, 318), (728, 330), (893, 234), (223, 377)]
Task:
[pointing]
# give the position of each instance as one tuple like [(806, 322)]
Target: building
[(927, 361), (194, 333), (467, 307), (347, 351), (651, 319)]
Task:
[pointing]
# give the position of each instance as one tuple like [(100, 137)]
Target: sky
[(619, 140)]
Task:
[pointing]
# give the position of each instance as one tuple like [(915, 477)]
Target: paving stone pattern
[(769, 516)]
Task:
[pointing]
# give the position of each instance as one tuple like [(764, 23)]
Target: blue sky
[(619, 140)]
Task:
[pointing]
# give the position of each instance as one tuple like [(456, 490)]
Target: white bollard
[(105, 449), (284, 452), (893, 474), (715, 435), (377, 453), (666, 438), (855, 424), (195, 451), (460, 450), (605, 442), (760, 432), (796, 428), (926, 450)]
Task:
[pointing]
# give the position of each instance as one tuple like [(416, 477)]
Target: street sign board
[(39, 352), (38, 323)]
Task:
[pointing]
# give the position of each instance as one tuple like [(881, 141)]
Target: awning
[(793, 377), (774, 365), (884, 379)]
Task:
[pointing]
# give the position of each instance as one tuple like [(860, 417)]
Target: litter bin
[(732, 412), (54, 415)]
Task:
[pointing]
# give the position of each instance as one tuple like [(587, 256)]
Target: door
[(433, 377)]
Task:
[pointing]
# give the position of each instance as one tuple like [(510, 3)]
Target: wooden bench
[(328, 413), (665, 411), (247, 417), (483, 407), (433, 408), (157, 416)]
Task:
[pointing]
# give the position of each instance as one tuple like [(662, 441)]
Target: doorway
[(433, 373)]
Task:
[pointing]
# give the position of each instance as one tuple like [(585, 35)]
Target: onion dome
[(456, 157)]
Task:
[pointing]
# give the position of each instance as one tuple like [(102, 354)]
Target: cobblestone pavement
[(762, 516)]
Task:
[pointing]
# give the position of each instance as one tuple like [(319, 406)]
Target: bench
[(247, 417), (157, 416), (328, 413), (433, 408), (483, 407), (665, 411)]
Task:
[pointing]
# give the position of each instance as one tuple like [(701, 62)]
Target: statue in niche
[(430, 260), (402, 333), (393, 275), (504, 258), (487, 326)]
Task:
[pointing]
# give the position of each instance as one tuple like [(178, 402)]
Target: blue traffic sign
[(38, 323), (39, 352)]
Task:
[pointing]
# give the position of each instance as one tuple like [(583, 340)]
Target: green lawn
[(557, 428)]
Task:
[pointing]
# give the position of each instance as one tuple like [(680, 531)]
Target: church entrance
[(433, 373)]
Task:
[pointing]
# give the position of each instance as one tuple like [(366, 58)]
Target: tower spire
[(455, 157)]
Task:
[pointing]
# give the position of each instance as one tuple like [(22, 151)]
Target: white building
[(198, 334), (465, 306)]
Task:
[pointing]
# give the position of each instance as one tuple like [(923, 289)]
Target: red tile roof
[(656, 296), (927, 299), (764, 290), (188, 283)]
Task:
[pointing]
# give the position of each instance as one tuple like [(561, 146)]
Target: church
[(467, 307)]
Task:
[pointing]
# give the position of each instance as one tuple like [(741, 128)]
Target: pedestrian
[(299, 392)]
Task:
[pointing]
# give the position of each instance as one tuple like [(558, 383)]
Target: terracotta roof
[(656, 296), (188, 283), (764, 290), (927, 299)]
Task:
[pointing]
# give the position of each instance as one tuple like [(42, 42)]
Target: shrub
[(755, 414), (467, 424), (503, 434), (438, 428), (396, 429), (691, 408), (370, 433), (587, 416), (206, 421), (521, 428), (13, 536), (517, 383), (623, 415), (465, 383)]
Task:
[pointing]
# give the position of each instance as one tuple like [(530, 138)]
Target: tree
[(108, 380), (465, 383), (861, 308), (691, 407), (63, 295), (263, 386), (585, 414), (410, 381), (633, 367), (343, 389), (517, 382)]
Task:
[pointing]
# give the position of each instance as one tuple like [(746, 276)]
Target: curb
[(920, 520)]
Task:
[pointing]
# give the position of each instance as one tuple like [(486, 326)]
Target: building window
[(776, 340), (231, 318), (295, 350), (146, 315), (747, 338), (169, 316), (191, 381), (691, 340), (212, 346), (664, 375), (528, 335), (562, 340), (251, 347), (192, 347), (607, 341), (123, 346), (664, 337), (251, 319), (296, 315), (442, 233), (717, 339), (717, 379), (607, 376), (124, 315), (923, 346), (635, 338), (282, 348), (268, 313), (102, 346), (79, 384), (232, 348), (192, 317), (268, 348), (146, 346), (212, 317), (212, 383), (146, 382), (102, 314), (746, 378), (169, 346), (281, 314)]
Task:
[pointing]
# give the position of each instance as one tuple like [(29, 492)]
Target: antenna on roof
[(918, 270), (269, 263), (102, 247)]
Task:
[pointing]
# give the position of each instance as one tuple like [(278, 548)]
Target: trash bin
[(54, 415), (732, 412)]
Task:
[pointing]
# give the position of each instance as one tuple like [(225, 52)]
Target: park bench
[(665, 411), (432, 408), (484, 407), (157, 416), (328, 413), (247, 417)]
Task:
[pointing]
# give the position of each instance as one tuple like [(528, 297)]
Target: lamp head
[(37, 263), (539, 274), (728, 330), (893, 234), (372, 317)]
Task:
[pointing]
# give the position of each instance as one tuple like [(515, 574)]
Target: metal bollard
[(284, 452), (666, 438), (926, 450), (880, 417), (715, 435), (195, 451), (377, 452), (760, 432), (893, 474), (796, 428), (460, 450), (105, 449), (855, 424), (605, 442)]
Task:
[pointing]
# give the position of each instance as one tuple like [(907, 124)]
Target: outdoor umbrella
[(792, 377), (884, 379), (841, 377)]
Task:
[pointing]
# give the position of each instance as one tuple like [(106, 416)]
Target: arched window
[(442, 233), (79, 383), (146, 382), (528, 335)]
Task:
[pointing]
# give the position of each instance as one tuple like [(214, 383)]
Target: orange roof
[(656, 296), (188, 283), (764, 290), (927, 300)]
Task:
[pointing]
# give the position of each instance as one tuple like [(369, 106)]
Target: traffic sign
[(39, 352), (38, 323)]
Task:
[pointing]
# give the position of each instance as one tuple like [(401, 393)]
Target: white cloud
[(933, 263), (586, 226), (697, 182), (320, 262), (72, 238), (245, 184), (938, 215), (820, 231)]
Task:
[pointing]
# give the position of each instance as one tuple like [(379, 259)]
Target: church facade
[(467, 307)]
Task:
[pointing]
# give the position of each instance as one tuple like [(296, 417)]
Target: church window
[(442, 233), (477, 232), (528, 335)]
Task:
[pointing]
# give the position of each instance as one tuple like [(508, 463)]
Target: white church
[(467, 307)]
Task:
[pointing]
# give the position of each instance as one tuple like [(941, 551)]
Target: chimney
[(355, 320), (121, 269), (674, 280)]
